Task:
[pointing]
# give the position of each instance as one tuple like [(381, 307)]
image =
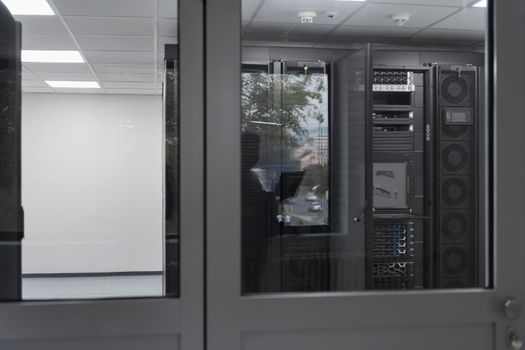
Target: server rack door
[(298, 147)]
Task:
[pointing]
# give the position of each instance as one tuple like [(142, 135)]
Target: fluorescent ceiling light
[(73, 84), (51, 56), (29, 7), (351, 0), (481, 3)]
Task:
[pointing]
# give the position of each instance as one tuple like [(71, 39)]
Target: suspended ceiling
[(123, 41)]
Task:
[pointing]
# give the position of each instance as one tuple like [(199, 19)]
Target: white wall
[(92, 183)]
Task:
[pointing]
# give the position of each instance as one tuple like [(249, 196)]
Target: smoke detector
[(306, 17), (401, 19)]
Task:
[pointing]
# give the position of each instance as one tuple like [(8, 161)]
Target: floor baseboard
[(92, 274)]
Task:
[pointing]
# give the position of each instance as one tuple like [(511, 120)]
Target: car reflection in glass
[(315, 207), (311, 197)]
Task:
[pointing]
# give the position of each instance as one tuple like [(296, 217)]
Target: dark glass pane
[(364, 168), (172, 149), (11, 213)]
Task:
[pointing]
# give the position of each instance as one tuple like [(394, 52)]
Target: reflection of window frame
[(319, 68)]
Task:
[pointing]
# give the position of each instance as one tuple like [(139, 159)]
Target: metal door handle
[(513, 339), (512, 308), (357, 218)]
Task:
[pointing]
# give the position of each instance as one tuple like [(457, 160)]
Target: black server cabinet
[(426, 178), (11, 213), (396, 239), (457, 184)]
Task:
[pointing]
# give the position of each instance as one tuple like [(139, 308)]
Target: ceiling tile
[(269, 28), (124, 68), (444, 34), (168, 27), (248, 8), (66, 76), (134, 91), (370, 32), (33, 83), (48, 42), (57, 67), (317, 29), (107, 8), (79, 91), (131, 85), (111, 25), (168, 8), (42, 25), (133, 77), (27, 75), (381, 15), (468, 19), (120, 57), (116, 43), (458, 3), (40, 90), (286, 11)]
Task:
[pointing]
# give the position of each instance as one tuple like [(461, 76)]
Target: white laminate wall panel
[(92, 183)]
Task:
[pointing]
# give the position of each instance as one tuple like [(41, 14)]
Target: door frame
[(176, 322), (230, 316)]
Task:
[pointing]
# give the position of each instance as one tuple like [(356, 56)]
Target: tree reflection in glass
[(289, 113)]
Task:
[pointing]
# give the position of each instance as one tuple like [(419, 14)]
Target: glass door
[(101, 174), (288, 150), (406, 241)]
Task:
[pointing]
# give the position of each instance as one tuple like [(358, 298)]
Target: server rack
[(426, 178), (404, 246), (400, 199)]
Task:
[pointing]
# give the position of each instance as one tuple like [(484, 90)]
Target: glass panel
[(171, 180), (364, 146), (89, 149)]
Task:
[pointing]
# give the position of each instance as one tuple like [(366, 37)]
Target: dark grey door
[(146, 323), (323, 300)]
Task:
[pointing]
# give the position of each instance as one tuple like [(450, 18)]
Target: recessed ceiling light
[(481, 3), (306, 17), (73, 84), (29, 7), (351, 0), (51, 56)]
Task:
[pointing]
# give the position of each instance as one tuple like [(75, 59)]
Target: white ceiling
[(455, 21), (123, 41)]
